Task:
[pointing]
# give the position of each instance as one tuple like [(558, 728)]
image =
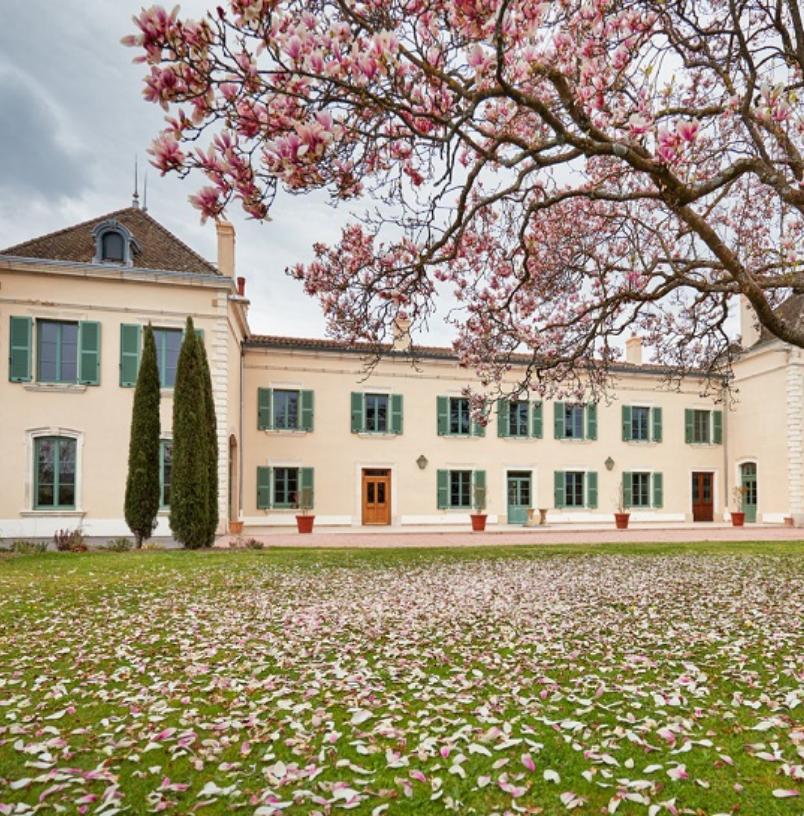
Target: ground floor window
[(165, 471), (575, 489), (285, 486), (460, 488), (54, 473)]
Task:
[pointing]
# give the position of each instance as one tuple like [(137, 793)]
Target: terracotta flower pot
[(235, 527), (737, 519), (621, 520), (305, 523), (478, 522)]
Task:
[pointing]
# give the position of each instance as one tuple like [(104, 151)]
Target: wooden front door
[(519, 500), (702, 492), (376, 496)]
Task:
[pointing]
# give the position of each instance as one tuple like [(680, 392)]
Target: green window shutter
[(443, 416), (130, 345), (306, 398), (537, 426), (396, 413), (263, 488), (717, 427), (264, 400), (657, 424), (628, 490), (559, 422), (20, 346), (591, 422), (503, 418), (559, 488), (443, 488), (627, 423), (689, 425), (591, 490), (478, 429), (89, 352), (357, 412), (307, 483), (199, 333), (658, 489), (478, 485)]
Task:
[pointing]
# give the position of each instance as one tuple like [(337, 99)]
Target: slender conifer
[(142, 482), (189, 488)]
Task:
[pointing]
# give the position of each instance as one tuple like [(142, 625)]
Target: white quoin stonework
[(795, 440)]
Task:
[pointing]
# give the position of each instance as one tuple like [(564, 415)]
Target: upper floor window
[(703, 427), (642, 424), (66, 352), (455, 418), (114, 243), (376, 413), (168, 345), (519, 418), (54, 473), (284, 409), (575, 420)]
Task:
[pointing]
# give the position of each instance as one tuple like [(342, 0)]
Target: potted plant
[(235, 527), (622, 513), (304, 503), (479, 503), (738, 515)]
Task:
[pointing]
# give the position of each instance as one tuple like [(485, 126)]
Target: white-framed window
[(54, 456)]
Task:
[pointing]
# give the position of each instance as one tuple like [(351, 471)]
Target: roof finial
[(145, 191), (136, 201)]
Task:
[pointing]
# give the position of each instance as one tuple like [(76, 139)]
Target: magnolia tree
[(571, 170)]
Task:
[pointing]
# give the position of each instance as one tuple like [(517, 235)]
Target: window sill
[(284, 432), (375, 434), (46, 513), (573, 441), (56, 388)]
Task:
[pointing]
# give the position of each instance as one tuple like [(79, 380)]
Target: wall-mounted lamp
[(422, 462), (609, 463)]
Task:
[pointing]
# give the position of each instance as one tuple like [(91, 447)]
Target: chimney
[(226, 248), (749, 326), (401, 334), (633, 350)]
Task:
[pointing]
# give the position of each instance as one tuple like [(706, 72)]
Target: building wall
[(339, 456), (100, 415), (765, 428)]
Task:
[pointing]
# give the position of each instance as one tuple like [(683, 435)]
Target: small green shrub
[(152, 545), (119, 544), (253, 544), (25, 546)]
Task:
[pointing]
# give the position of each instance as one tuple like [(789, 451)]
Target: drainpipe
[(240, 448), (726, 453)]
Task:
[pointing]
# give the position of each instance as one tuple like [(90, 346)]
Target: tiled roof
[(160, 249), (437, 352), (791, 311)]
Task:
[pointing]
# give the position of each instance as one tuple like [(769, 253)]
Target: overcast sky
[(73, 119)]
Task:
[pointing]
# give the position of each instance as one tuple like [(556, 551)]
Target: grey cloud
[(32, 161)]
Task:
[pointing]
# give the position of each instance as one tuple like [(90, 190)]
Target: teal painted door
[(519, 496), (748, 478)]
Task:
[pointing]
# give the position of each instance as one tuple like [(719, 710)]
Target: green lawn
[(640, 679)]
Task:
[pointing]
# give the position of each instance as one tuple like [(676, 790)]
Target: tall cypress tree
[(189, 486), (212, 438), (142, 482)]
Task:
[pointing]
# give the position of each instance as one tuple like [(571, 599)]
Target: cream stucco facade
[(396, 448)]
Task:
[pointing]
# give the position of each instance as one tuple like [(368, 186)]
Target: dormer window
[(112, 248), (114, 244)]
